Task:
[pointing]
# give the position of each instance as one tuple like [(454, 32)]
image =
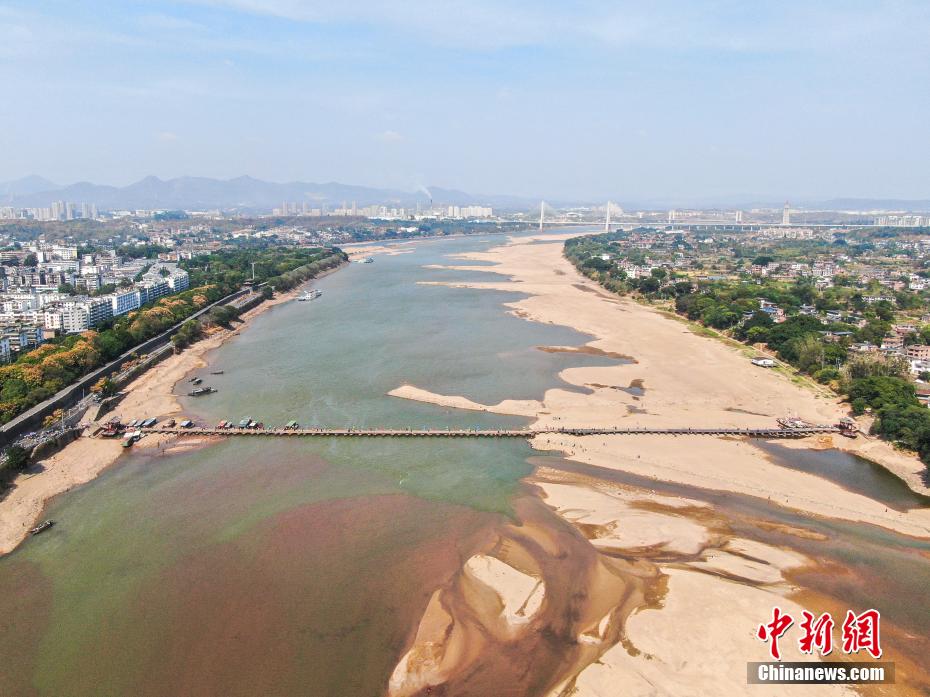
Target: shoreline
[(84, 459), (724, 581)]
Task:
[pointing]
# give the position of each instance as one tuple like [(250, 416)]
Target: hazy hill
[(27, 185), (242, 193)]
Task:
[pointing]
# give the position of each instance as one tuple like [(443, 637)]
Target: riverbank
[(711, 578), (149, 395), (676, 379)]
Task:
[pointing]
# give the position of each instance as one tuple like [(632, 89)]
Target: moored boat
[(311, 294), (792, 422), (42, 527)]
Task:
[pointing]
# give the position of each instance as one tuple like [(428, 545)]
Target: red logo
[(817, 634), (774, 630), (860, 632)]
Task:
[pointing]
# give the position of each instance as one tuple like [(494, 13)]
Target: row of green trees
[(38, 374), (879, 385), (883, 387)]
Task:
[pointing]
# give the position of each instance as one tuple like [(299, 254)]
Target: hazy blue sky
[(628, 100)]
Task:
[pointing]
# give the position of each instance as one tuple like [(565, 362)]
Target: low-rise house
[(892, 341), (917, 352), (863, 347)]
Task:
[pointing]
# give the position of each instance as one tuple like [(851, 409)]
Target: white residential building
[(125, 301)]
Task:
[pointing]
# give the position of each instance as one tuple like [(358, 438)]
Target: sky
[(664, 100)]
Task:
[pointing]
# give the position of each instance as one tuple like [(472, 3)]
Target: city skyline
[(678, 100)]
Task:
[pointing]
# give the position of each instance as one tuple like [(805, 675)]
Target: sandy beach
[(704, 574), (152, 394)]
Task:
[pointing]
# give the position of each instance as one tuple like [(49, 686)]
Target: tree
[(31, 260), (810, 353), (17, 458), (866, 366), (67, 288), (883, 390), (105, 387)]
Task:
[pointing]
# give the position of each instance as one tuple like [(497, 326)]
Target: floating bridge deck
[(492, 433)]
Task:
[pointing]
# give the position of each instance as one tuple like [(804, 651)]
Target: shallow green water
[(289, 567), (300, 567)]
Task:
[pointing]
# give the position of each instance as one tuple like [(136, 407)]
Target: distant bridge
[(491, 433)]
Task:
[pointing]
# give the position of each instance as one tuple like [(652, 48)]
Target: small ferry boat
[(848, 427), (200, 391), (311, 294), (366, 260), (42, 527), (793, 422)]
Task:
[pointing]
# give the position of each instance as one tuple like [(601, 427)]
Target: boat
[(187, 423), (216, 372), (311, 294), (111, 429), (196, 381), (291, 425), (848, 427), (793, 422), (42, 527), (245, 422), (200, 391), (366, 260), (169, 423)]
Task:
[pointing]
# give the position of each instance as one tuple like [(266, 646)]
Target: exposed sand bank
[(705, 576), (684, 380), (356, 250), (152, 394)]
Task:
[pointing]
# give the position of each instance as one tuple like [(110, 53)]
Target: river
[(303, 566), (289, 567)]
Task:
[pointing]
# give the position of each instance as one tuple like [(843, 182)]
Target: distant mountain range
[(247, 194), (242, 194)]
